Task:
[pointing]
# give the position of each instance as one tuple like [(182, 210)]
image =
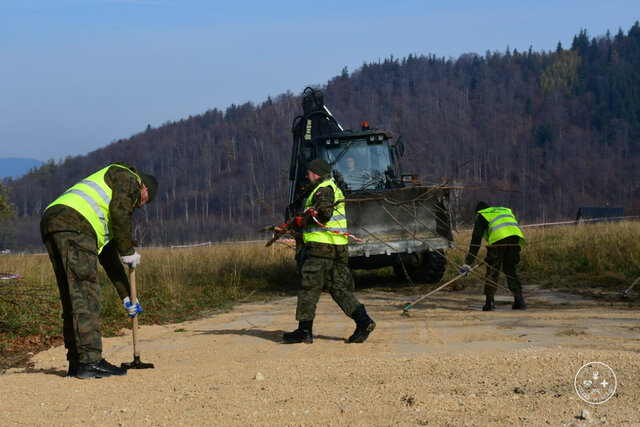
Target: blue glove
[(131, 309), (465, 269)]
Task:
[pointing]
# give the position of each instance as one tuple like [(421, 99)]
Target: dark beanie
[(151, 183), (480, 206), (319, 166)]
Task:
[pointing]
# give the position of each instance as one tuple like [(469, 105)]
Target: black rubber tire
[(430, 270)]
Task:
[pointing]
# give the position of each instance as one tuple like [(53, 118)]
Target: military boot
[(74, 361), (489, 304), (73, 368), (364, 325), (518, 303), (301, 335), (98, 369)]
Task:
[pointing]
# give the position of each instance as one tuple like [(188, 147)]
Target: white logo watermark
[(595, 383)]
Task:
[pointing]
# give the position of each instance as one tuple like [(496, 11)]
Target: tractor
[(401, 223)]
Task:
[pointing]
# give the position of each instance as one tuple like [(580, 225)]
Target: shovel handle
[(134, 320)]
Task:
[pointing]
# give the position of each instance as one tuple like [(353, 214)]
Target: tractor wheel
[(430, 270)]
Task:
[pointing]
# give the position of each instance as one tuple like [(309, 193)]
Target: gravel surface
[(448, 363)]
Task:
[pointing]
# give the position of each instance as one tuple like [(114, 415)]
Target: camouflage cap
[(151, 183), (481, 205), (319, 166)]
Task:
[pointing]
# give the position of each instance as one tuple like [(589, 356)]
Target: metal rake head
[(137, 364)]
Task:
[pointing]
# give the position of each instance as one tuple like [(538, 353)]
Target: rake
[(406, 309)]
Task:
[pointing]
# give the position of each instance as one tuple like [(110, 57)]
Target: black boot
[(489, 304), (518, 303), (302, 334), (364, 325), (73, 368), (99, 369)]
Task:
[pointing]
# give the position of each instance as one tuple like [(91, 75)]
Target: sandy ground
[(447, 364)]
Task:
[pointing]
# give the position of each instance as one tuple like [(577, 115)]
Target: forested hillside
[(541, 132)]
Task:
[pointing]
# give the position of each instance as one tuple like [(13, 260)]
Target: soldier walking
[(325, 263), (88, 223)]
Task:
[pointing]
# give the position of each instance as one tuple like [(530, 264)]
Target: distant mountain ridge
[(540, 132), (15, 167)]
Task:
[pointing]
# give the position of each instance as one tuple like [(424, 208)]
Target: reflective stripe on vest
[(337, 222), (502, 223), (91, 197)]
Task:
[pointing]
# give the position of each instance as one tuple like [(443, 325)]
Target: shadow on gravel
[(49, 371), (275, 336)]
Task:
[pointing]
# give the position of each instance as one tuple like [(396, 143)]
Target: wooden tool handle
[(438, 288), (134, 320)]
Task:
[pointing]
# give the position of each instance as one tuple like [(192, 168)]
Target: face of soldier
[(144, 196), (312, 176)]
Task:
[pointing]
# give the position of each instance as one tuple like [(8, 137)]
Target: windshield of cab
[(360, 165)]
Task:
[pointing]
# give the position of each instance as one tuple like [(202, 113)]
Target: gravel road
[(448, 363)]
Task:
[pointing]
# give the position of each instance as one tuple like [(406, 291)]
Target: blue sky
[(76, 75)]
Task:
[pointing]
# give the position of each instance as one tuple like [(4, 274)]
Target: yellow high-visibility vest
[(91, 198), (502, 223), (337, 222)]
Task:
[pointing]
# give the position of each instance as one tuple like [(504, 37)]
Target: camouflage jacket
[(124, 199)]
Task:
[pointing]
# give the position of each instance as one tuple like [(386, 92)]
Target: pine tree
[(6, 207)]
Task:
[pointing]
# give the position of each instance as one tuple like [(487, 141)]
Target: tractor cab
[(361, 160), (399, 222)]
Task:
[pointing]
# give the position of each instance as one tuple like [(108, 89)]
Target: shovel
[(136, 364)]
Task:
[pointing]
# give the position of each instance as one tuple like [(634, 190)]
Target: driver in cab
[(354, 176)]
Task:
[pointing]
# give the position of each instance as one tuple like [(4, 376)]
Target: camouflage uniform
[(72, 245), (328, 274), (503, 255), (324, 267)]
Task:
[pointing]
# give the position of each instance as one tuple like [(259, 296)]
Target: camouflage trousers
[(74, 257), (504, 256), (330, 275)]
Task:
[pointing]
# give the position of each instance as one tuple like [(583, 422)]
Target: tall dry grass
[(179, 284), (172, 285), (30, 306), (600, 254)]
